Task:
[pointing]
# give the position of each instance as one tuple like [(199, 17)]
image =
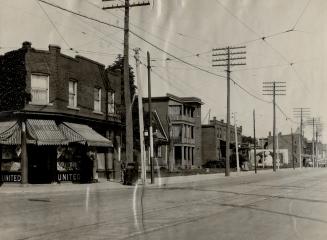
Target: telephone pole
[(274, 89), (229, 55), (292, 148), (315, 122), (236, 145), (127, 95), (150, 118), (255, 144), (140, 108), (300, 113)]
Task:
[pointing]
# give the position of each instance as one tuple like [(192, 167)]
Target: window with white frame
[(111, 102), (40, 89), (72, 92), (97, 99)]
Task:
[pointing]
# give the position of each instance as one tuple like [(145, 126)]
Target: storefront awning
[(10, 133), (44, 132), (84, 134)]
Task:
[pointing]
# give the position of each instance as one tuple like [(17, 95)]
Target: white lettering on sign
[(11, 178), (68, 176)]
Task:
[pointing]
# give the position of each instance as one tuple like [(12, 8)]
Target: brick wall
[(209, 144)]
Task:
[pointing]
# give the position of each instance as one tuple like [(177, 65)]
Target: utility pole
[(300, 113), (228, 61), (255, 144), (140, 108), (292, 148), (128, 105), (274, 89), (315, 122), (236, 145), (150, 118)]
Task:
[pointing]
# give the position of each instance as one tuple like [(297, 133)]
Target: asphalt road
[(288, 204)]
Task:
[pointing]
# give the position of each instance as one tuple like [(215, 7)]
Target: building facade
[(58, 116), (214, 140), (293, 146), (181, 120)]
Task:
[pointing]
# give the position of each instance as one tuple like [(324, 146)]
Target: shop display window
[(11, 158), (68, 158)]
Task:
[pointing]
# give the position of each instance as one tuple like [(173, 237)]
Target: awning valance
[(83, 134), (44, 132), (10, 133)]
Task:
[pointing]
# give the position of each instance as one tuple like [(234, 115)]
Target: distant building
[(214, 140), (285, 142), (58, 117), (181, 119)]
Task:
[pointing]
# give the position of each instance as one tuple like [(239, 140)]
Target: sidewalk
[(11, 188)]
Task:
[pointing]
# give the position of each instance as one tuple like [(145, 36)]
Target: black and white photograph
[(163, 119)]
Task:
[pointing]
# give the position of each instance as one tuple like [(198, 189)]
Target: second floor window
[(40, 89), (97, 99), (111, 102), (175, 110), (72, 89)]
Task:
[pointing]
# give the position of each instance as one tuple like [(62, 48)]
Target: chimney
[(214, 119), (26, 45), (222, 120), (269, 134), (54, 48)]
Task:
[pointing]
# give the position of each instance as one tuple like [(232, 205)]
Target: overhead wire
[(300, 16), (54, 25), (156, 47)]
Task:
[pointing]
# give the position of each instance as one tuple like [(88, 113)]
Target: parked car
[(214, 164)]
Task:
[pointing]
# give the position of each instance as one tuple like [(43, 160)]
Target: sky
[(285, 41)]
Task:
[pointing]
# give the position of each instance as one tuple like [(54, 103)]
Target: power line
[(81, 15), (155, 46), (54, 25), (298, 19)]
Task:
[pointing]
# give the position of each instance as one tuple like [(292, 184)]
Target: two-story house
[(181, 119), (58, 119)]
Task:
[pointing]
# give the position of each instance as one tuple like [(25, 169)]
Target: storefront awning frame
[(84, 134)]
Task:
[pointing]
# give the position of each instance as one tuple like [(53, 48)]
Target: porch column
[(182, 160), (24, 158), (109, 135)]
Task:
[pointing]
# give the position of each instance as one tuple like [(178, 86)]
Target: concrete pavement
[(106, 185), (288, 204)]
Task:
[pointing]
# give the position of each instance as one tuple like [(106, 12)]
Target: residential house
[(181, 119)]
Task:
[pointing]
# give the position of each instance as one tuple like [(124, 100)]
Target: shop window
[(111, 102), (40, 89), (68, 159), (72, 90), (10, 158), (97, 99)]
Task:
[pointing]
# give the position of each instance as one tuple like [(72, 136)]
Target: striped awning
[(10, 133), (84, 134), (44, 132)]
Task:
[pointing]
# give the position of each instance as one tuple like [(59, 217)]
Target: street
[(289, 204)]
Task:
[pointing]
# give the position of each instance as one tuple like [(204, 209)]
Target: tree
[(13, 95), (127, 97)]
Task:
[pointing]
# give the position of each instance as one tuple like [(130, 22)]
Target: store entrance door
[(42, 163)]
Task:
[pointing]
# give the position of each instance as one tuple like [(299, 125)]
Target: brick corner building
[(58, 117)]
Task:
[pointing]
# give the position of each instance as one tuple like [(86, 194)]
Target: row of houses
[(62, 119)]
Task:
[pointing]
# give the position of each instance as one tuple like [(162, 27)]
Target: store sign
[(65, 176), (11, 177)]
